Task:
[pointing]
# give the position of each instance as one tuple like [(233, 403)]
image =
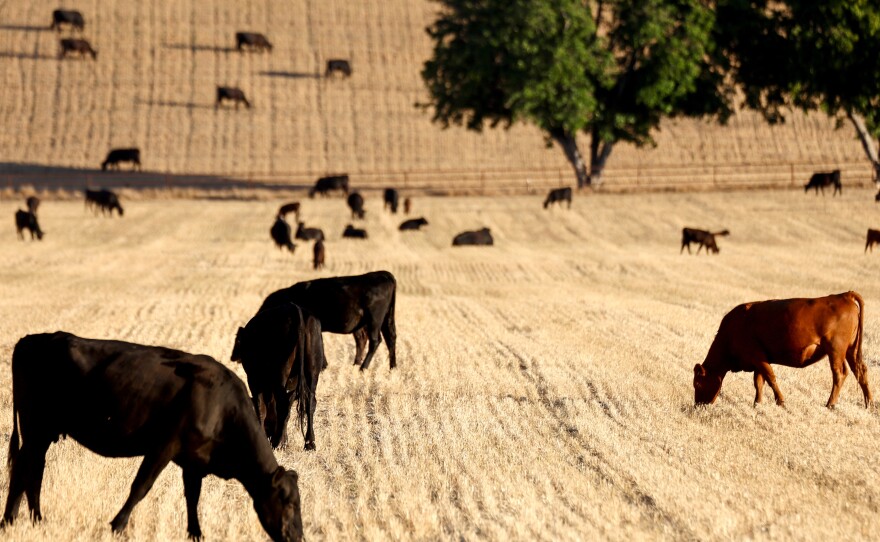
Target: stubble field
[(544, 384)]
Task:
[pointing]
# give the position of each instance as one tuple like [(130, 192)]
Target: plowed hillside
[(153, 86)]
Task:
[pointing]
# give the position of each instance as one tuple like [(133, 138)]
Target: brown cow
[(790, 332), (873, 239), (703, 238)]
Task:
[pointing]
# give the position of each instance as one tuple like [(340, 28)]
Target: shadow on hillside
[(24, 27), (291, 75), (171, 103), (200, 48), (31, 56)]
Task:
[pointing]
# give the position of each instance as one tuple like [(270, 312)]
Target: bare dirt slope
[(153, 86), (544, 384)]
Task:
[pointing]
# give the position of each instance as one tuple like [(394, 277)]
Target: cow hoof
[(310, 446), (194, 536), (6, 522)]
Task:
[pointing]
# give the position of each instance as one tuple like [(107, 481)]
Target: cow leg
[(149, 470), (767, 372), (371, 348), (35, 466), (17, 483), (759, 387), (861, 372), (192, 489), (360, 342), (283, 403), (389, 333), (838, 375)]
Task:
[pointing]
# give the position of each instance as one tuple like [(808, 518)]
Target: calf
[(390, 197), (252, 40), (328, 183), (873, 239), (362, 305), (337, 65), (71, 17), (235, 95), (308, 234), (558, 196), (292, 207), (32, 202), (318, 252), (280, 232), (407, 206), (79, 46), (820, 180), (478, 237), (354, 233), (120, 399), (282, 353), (27, 220), (104, 200), (117, 156), (413, 224), (701, 237), (356, 204), (790, 332)]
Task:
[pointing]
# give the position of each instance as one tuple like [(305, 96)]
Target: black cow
[(120, 399), (413, 224), (71, 17), (361, 304), (26, 220), (282, 353), (292, 207), (116, 156), (356, 204), (280, 232), (32, 202), (252, 40), (308, 234), (702, 238), (80, 46), (231, 93), (104, 200), (338, 65), (391, 198), (820, 180), (328, 183), (354, 233), (558, 195), (478, 237), (318, 253)]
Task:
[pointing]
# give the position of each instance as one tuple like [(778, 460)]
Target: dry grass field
[(544, 384), (153, 86)]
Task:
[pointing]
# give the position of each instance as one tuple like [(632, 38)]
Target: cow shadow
[(24, 28), (27, 56), (291, 75), (172, 103), (195, 48)]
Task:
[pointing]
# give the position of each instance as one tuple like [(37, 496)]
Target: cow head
[(706, 385), (279, 508), (236, 348)]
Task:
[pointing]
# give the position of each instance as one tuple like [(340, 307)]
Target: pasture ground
[(544, 384)]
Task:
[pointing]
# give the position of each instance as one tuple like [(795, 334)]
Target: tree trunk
[(867, 143), (570, 147), (599, 153)]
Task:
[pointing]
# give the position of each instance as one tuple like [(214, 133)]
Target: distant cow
[(235, 95), (873, 239), (702, 238), (354, 233), (318, 253), (407, 206), (32, 202), (328, 183), (413, 224), (478, 237), (790, 332), (820, 180), (292, 207), (120, 399), (282, 353), (308, 234), (361, 304), (356, 204), (390, 197), (252, 40), (117, 156), (280, 232), (558, 196), (26, 220), (103, 200), (71, 17), (79, 46), (338, 65)]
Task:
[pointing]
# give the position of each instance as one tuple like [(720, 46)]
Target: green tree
[(612, 69)]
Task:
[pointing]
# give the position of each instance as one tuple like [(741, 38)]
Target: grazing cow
[(282, 353), (292, 207), (80, 46), (280, 232), (391, 197), (558, 195), (873, 239), (478, 237), (361, 304), (413, 224), (32, 202), (354, 233), (230, 93), (328, 183), (407, 206), (117, 156), (318, 251), (104, 200), (120, 399), (338, 65), (71, 17), (790, 332), (252, 40), (27, 220), (308, 234), (356, 204), (822, 179), (701, 237)]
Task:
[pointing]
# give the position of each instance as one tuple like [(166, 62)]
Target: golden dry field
[(159, 62), (544, 384)]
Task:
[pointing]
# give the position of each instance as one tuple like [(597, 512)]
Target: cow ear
[(699, 370)]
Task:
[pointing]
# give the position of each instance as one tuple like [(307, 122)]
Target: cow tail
[(14, 440), (303, 395), (860, 368)]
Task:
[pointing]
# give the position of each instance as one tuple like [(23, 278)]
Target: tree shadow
[(291, 75), (24, 28), (200, 48), (171, 103), (31, 56)]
